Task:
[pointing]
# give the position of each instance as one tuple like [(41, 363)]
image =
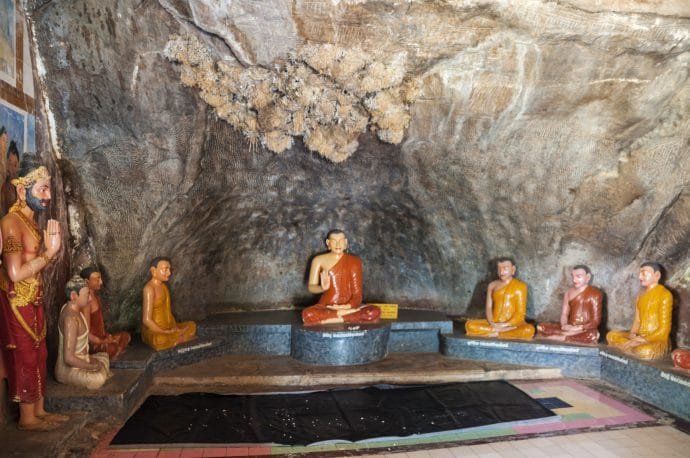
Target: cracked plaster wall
[(555, 132)]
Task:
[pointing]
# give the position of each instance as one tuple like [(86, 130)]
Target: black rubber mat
[(338, 415)]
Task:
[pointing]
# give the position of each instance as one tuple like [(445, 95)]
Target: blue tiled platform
[(270, 333), (573, 360), (132, 376), (657, 382)]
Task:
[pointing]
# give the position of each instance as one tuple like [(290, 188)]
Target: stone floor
[(90, 435)]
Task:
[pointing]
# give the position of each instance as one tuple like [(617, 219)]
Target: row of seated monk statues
[(85, 348), (648, 337), (337, 275)]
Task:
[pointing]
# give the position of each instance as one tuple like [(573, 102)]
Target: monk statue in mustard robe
[(648, 337), (159, 328), (338, 277), (506, 306), (581, 312)]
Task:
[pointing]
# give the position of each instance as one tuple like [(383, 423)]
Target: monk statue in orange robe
[(681, 358), (648, 337), (506, 306), (581, 312), (338, 277), (159, 329), (100, 340)]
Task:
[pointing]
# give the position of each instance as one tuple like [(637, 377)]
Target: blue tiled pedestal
[(657, 382), (340, 345), (573, 360)]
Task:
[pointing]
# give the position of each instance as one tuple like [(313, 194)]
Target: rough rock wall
[(553, 132)]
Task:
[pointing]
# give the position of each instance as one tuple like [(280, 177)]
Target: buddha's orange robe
[(510, 307), (654, 308), (164, 318), (346, 289), (584, 310)]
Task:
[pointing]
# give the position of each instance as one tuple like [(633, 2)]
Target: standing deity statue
[(25, 253)]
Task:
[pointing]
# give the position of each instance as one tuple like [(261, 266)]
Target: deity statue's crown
[(32, 177)]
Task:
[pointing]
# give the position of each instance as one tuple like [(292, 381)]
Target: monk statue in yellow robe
[(648, 337), (159, 329), (506, 306), (581, 312), (338, 276)]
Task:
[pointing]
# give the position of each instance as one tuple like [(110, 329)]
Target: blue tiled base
[(656, 382), (340, 345), (140, 356), (270, 333), (118, 397), (418, 331), (573, 360)]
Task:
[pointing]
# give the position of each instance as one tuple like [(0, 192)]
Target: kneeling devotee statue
[(101, 340), (581, 313), (338, 276), (159, 329), (648, 337), (75, 366), (506, 306)]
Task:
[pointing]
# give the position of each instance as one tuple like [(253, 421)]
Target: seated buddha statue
[(75, 366), (581, 312), (100, 340), (159, 329), (506, 306), (648, 337), (681, 358), (337, 275)]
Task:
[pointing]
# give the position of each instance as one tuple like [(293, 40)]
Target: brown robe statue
[(585, 311)]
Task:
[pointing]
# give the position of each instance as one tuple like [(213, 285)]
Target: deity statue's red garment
[(23, 338)]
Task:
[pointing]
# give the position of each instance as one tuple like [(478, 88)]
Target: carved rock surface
[(555, 132)]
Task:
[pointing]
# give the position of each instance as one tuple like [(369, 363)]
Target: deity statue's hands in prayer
[(52, 238)]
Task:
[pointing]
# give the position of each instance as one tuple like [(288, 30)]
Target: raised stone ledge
[(657, 382), (132, 376), (573, 360), (270, 332)]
